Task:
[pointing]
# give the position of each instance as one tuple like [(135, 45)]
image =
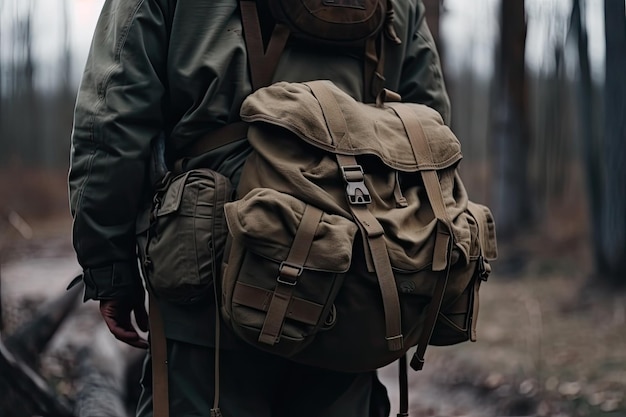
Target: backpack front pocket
[(284, 268)]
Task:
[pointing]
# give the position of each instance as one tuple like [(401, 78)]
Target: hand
[(117, 316)]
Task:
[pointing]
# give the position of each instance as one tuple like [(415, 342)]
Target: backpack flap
[(357, 162), (372, 130)]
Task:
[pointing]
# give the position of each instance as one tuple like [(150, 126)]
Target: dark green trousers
[(257, 384)]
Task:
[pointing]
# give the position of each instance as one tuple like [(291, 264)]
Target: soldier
[(163, 68)]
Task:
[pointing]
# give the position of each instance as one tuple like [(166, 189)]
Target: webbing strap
[(214, 139), (375, 237), (158, 351), (289, 272), (373, 232), (444, 240)]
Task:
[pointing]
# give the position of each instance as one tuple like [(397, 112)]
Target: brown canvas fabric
[(335, 307)]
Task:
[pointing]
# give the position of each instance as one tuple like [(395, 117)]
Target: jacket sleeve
[(422, 77), (118, 114)]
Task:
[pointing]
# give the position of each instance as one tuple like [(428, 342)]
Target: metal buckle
[(356, 190), (281, 277)]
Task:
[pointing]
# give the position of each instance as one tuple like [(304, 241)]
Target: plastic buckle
[(356, 190)]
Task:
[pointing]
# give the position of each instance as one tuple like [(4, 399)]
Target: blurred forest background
[(538, 92), (539, 113)]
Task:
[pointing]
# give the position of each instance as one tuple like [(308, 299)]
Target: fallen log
[(36, 395), (30, 340), (101, 380)]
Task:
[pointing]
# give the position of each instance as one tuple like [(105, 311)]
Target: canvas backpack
[(390, 253), (352, 238)]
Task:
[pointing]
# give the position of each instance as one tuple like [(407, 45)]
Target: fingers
[(131, 338), (116, 315)]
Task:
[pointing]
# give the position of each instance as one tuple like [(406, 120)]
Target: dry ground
[(550, 343)]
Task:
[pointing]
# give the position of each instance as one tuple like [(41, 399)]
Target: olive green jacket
[(163, 68)]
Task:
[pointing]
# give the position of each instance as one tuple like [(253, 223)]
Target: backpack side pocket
[(457, 318)]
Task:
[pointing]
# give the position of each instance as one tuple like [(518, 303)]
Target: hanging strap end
[(417, 362)]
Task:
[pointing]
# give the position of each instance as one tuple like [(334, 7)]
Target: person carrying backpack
[(160, 76)]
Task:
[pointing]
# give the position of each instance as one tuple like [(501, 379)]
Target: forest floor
[(549, 344)]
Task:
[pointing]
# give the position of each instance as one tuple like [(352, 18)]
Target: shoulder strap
[(263, 62)]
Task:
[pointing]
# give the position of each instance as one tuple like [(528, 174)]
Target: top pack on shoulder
[(367, 24), (341, 22)]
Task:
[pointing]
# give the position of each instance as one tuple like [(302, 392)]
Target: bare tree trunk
[(590, 144), (612, 263), (511, 134)]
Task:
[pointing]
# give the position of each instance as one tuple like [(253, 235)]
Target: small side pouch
[(187, 235), (457, 319)]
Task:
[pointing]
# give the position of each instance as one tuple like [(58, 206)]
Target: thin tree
[(510, 124), (588, 125), (612, 253)]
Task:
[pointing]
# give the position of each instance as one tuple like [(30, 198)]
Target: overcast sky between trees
[(468, 29)]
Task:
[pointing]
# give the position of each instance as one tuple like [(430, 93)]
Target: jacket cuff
[(112, 282)]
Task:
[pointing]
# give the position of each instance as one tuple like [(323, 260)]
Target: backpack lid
[(370, 130)]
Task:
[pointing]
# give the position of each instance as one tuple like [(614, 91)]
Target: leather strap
[(288, 274), (158, 350)]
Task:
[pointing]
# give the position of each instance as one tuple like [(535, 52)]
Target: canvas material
[(334, 316)]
